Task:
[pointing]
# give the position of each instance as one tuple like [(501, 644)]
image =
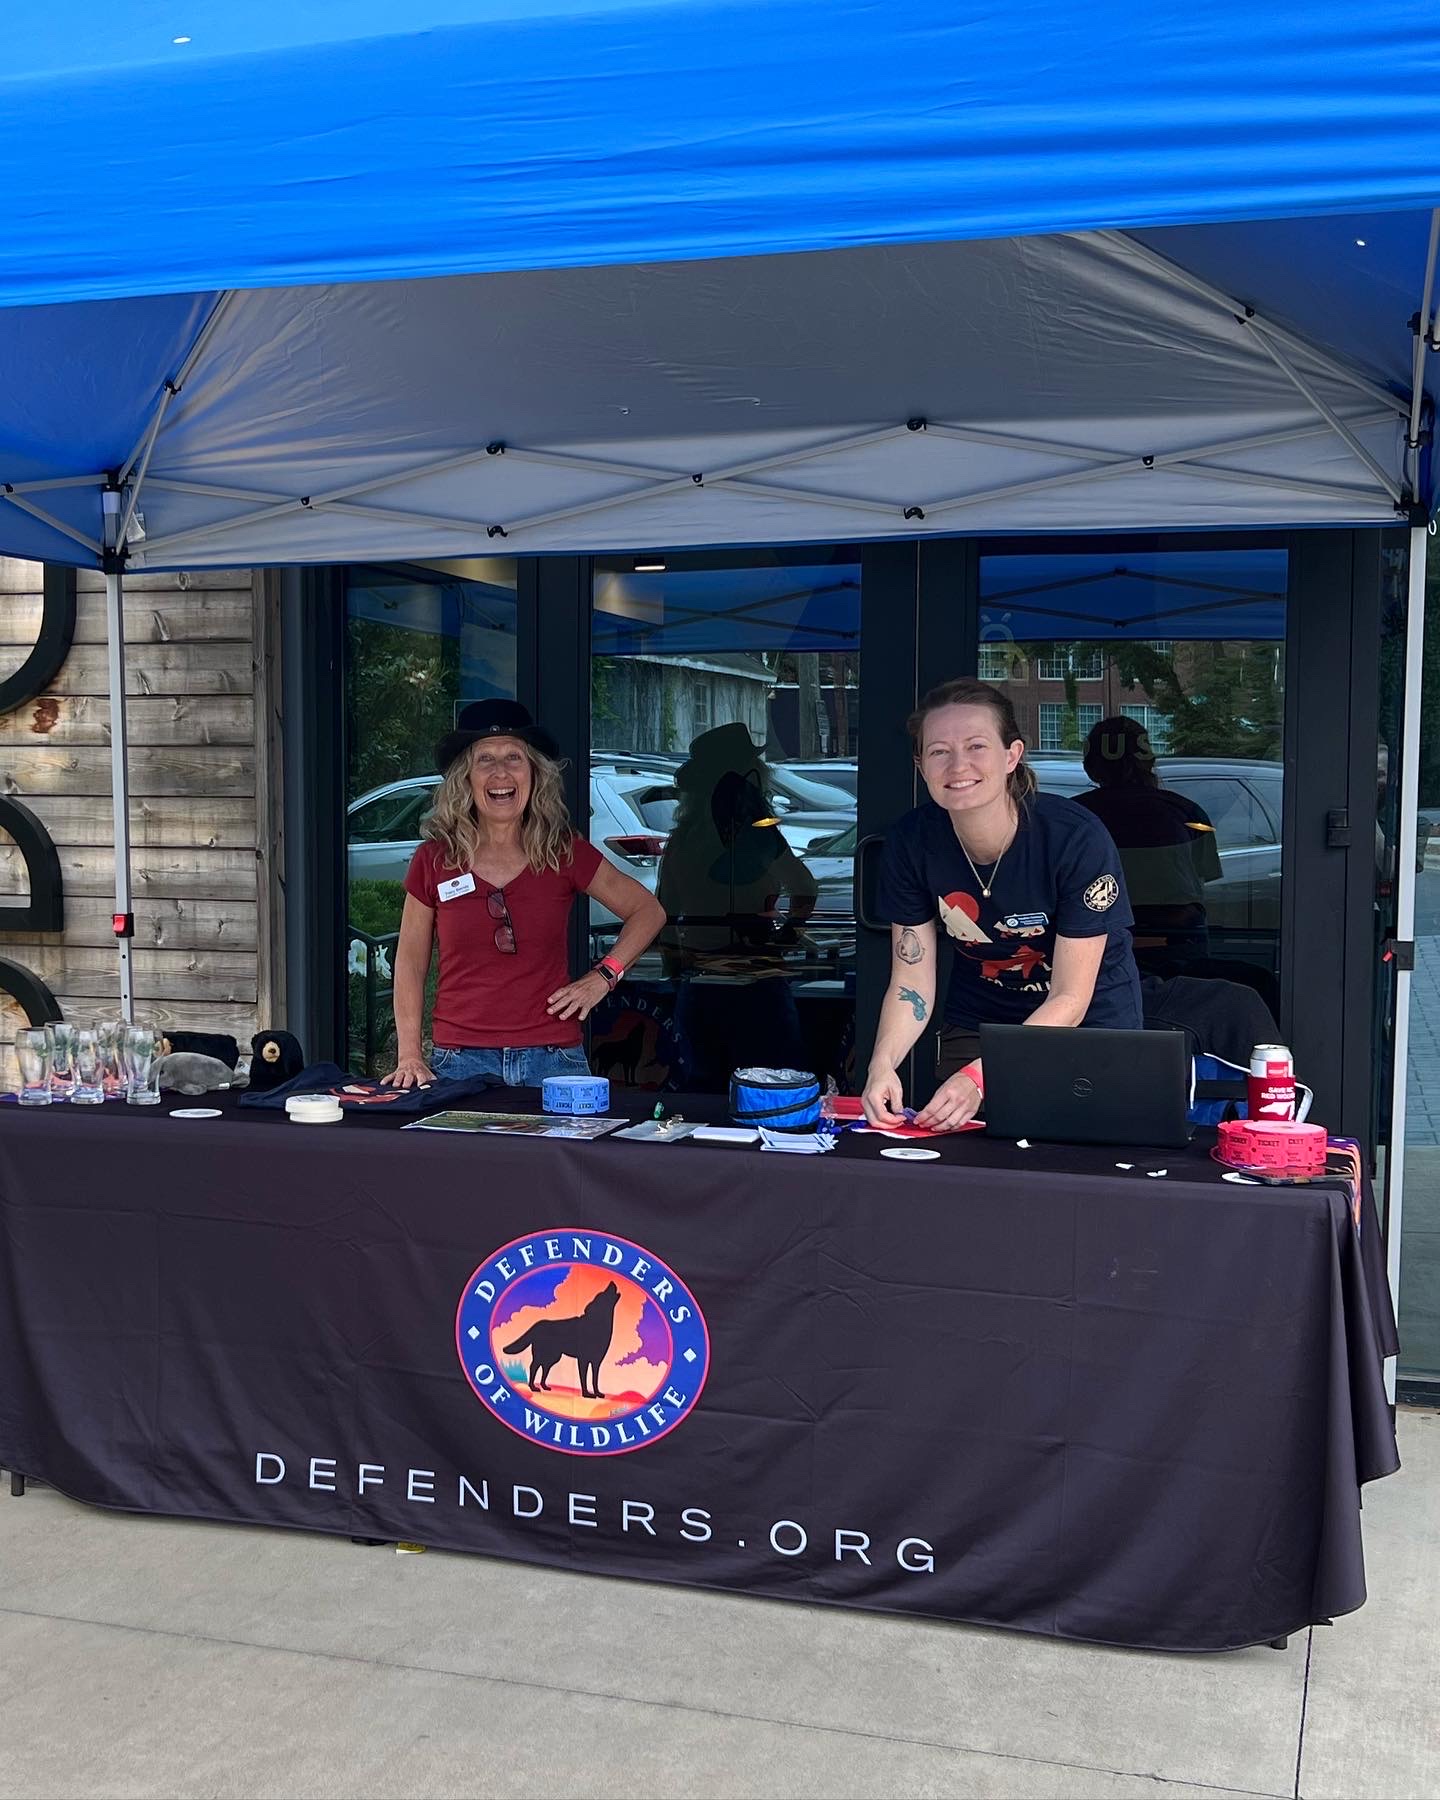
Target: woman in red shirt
[(495, 880)]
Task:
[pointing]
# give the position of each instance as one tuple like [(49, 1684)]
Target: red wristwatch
[(611, 970)]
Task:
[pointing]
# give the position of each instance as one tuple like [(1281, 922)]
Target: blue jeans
[(522, 1067)]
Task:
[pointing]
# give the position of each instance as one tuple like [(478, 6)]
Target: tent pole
[(119, 756), (1405, 915), (1417, 370)]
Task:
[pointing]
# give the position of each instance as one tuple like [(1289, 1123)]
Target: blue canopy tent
[(309, 283)]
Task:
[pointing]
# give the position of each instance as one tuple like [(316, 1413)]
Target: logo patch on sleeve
[(1102, 893)]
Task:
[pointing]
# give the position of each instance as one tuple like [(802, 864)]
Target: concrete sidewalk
[(141, 1657)]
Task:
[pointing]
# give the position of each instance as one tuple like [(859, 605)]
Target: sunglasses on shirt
[(505, 930)]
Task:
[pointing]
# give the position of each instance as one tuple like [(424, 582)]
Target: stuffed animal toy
[(202, 1043), (183, 1072), (275, 1058)]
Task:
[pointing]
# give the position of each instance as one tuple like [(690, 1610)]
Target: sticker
[(452, 890), (1102, 893), (197, 1112), (1024, 925), (909, 1153)]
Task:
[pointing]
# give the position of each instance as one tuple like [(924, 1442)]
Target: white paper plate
[(910, 1153), (197, 1112)]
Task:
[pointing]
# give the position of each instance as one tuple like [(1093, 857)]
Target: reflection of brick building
[(1038, 685)]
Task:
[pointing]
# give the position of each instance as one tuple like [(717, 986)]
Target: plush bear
[(275, 1058), (217, 1044)]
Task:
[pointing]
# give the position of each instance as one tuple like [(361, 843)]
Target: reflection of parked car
[(811, 787), (632, 808), (633, 800), (843, 773), (1242, 800), (382, 828)]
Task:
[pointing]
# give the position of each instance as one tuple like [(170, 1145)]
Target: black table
[(1016, 1387)]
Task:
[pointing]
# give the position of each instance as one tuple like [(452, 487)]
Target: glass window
[(1067, 663), (1157, 726), (725, 711), (1210, 696), (1066, 727), (422, 640), (999, 662)]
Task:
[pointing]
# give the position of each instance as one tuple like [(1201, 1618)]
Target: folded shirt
[(364, 1093)]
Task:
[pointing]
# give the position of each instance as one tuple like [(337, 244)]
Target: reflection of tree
[(806, 671), (603, 710), (1216, 698), (401, 700)]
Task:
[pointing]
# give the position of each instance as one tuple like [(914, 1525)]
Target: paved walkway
[(140, 1657)]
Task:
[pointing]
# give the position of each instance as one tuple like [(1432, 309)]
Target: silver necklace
[(985, 886)]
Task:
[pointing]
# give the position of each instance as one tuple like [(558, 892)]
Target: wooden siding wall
[(202, 750)]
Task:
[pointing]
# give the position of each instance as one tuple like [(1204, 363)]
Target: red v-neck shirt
[(487, 999)]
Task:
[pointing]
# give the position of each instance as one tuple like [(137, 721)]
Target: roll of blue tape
[(575, 1094), (780, 1099)]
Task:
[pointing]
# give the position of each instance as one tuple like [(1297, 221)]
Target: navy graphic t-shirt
[(1060, 876)]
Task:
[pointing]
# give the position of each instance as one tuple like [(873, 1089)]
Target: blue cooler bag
[(779, 1099)]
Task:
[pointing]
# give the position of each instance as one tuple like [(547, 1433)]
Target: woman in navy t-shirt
[(1028, 887)]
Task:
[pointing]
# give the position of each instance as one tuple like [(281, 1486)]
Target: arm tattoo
[(916, 1002), (909, 949)]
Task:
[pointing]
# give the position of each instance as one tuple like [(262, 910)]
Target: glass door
[(422, 640), (724, 738), (1150, 687)]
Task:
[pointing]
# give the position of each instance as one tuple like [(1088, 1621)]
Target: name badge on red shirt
[(452, 890)]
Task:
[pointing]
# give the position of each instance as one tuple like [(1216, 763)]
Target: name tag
[(452, 890)]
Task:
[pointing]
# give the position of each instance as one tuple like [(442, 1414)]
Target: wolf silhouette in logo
[(585, 1336)]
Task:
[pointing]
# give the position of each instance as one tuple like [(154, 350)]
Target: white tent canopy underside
[(1044, 384)]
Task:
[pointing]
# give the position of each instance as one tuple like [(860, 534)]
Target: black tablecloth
[(1018, 1387)]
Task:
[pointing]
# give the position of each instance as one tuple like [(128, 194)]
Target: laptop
[(1070, 1085)]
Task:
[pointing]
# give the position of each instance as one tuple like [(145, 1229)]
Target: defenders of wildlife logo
[(582, 1342)]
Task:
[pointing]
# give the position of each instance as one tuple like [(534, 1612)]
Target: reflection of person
[(495, 880), (1028, 885), (725, 870), (1167, 844)]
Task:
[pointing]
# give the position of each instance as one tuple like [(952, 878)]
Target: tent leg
[(120, 783), (1405, 878)]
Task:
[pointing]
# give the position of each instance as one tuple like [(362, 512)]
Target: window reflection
[(422, 640), (1181, 653), (724, 725)]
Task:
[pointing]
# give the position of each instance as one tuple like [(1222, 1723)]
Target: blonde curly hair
[(546, 835)]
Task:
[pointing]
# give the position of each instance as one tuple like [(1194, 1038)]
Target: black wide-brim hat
[(493, 718)]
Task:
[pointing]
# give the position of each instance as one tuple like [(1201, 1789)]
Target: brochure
[(544, 1125)]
